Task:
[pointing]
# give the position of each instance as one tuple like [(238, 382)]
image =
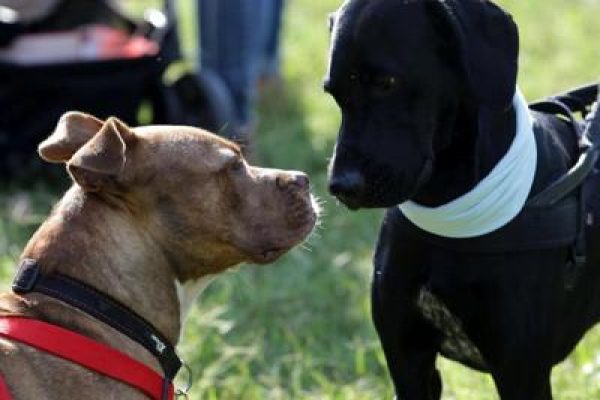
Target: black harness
[(588, 133), (556, 216), (30, 279)]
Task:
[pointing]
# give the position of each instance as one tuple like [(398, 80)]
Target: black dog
[(425, 88)]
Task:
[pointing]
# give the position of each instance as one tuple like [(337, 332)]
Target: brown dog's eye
[(385, 84), (237, 165)]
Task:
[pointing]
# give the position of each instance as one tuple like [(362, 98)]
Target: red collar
[(86, 352)]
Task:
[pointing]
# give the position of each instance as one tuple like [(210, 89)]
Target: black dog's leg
[(518, 333), (409, 343), (513, 383), (522, 372), (409, 346)]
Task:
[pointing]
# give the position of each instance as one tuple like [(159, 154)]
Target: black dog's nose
[(349, 185)]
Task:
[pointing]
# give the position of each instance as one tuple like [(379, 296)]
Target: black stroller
[(135, 89)]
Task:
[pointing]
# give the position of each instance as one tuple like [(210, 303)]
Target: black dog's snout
[(349, 185)]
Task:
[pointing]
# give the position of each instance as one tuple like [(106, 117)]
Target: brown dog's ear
[(488, 42), (100, 161), (73, 130)]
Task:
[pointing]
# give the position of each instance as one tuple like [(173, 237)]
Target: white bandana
[(497, 199)]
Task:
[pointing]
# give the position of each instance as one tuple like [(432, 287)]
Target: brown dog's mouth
[(268, 256), (306, 221)]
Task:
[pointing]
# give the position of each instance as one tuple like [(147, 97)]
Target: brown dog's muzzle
[(292, 180), (283, 216), (301, 211)]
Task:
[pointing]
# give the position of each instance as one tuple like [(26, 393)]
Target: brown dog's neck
[(100, 244), (481, 139)]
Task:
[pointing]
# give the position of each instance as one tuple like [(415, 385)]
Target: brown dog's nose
[(297, 179)]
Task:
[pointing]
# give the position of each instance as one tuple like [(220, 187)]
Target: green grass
[(301, 329)]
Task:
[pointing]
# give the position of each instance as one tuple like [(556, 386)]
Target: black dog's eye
[(385, 84)]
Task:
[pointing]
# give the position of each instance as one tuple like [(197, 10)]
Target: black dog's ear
[(488, 42), (331, 18)]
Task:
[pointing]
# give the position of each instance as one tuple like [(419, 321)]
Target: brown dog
[(154, 213)]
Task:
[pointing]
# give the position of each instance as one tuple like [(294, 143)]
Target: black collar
[(29, 279)]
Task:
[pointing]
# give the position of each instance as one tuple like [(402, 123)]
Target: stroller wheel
[(200, 100)]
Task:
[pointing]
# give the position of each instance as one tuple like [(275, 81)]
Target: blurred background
[(299, 329)]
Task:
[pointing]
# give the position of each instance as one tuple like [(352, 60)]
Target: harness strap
[(84, 351), (576, 100), (589, 144)]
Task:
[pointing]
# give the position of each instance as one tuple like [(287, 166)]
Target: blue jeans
[(239, 41)]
